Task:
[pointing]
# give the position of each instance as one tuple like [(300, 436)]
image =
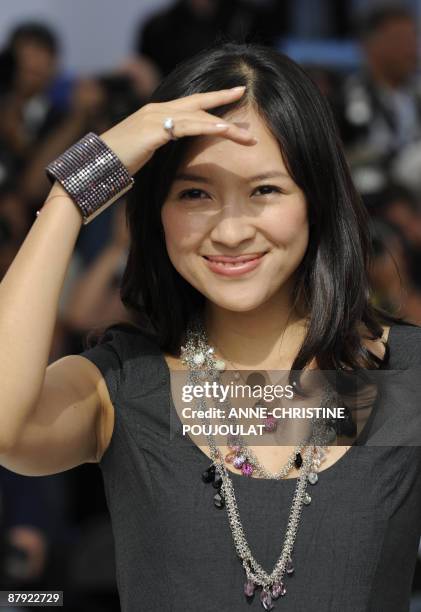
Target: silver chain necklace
[(198, 354)]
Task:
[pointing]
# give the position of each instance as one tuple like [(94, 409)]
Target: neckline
[(327, 472)]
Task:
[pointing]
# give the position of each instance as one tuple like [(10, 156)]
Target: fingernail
[(221, 125), (238, 87)]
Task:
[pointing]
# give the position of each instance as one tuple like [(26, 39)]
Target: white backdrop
[(95, 34)]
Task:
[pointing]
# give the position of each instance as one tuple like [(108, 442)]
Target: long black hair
[(331, 281)]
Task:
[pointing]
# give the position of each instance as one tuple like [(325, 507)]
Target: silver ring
[(169, 127)]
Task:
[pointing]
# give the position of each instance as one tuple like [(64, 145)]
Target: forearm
[(29, 295)]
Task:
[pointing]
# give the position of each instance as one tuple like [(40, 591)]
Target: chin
[(236, 305)]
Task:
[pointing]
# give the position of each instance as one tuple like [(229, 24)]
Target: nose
[(232, 226)]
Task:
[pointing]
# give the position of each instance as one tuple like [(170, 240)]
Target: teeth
[(226, 263)]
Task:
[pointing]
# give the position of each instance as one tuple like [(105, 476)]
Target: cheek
[(288, 225), (183, 230)]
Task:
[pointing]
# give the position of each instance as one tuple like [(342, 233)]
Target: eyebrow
[(186, 176)]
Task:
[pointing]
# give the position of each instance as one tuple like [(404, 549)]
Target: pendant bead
[(289, 567), (238, 461), (229, 457), (217, 482), (218, 500), (298, 461), (266, 600), (247, 469), (312, 478), (278, 589), (249, 588), (209, 474), (307, 499)]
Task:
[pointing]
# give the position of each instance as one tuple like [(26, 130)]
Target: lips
[(238, 259), (223, 265)]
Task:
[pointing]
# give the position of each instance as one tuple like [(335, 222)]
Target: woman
[(269, 182)]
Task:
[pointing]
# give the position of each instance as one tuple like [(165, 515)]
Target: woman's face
[(218, 206)]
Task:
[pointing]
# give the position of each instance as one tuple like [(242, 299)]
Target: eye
[(268, 188), (192, 194)]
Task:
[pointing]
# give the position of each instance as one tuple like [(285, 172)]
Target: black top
[(357, 541)]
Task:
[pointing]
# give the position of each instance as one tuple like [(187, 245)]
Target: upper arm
[(69, 424)]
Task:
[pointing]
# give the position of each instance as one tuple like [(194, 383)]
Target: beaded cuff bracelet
[(92, 175)]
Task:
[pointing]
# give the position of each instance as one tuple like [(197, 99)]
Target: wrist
[(92, 174)]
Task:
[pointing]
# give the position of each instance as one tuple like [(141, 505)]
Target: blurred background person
[(390, 278), (28, 67), (94, 299), (379, 111), (34, 530), (399, 207), (187, 26)]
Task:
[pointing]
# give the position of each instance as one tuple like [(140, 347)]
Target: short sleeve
[(108, 356), (124, 356), (405, 346)]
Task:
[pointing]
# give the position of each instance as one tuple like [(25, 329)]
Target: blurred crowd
[(54, 530)]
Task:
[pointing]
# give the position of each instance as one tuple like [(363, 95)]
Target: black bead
[(209, 474), (298, 460), (217, 482), (218, 500)]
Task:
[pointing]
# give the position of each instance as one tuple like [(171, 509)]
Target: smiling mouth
[(225, 260)]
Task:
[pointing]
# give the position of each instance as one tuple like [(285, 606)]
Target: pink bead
[(289, 568), (229, 457), (249, 588), (278, 588), (238, 461), (266, 600), (247, 469)]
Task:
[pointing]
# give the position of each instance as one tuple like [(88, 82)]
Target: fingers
[(209, 99), (192, 127), (200, 101)]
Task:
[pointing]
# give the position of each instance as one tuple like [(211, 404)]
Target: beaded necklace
[(199, 357)]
